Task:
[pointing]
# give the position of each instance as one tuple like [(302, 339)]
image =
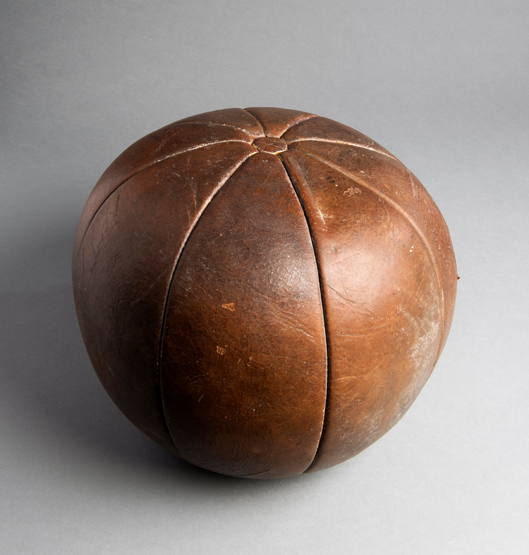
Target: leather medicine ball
[(263, 292)]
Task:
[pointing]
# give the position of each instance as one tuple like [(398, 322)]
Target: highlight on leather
[(263, 292)]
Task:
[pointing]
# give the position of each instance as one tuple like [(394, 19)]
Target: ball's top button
[(270, 145)]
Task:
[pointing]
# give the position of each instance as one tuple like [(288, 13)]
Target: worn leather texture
[(263, 292)]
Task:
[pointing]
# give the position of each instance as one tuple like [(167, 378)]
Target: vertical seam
[(178, 257), (323, 308), (407, 216)]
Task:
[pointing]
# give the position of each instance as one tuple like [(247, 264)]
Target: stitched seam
[(338, 142), (440, 277), (150, 165), (251, 115), (323, 308), (298, 122), (408, 218), (216, 123), (173, 273)]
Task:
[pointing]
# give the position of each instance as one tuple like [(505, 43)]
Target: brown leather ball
[(263, 292)]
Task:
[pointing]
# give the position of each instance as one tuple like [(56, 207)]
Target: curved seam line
[(338, 142), (173, 273), (298, 122), (441, 283), (150, 165), (252, 116), (323, 310), (179, 123), (409, 219)]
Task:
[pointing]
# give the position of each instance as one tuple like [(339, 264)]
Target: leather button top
[(270, 145)]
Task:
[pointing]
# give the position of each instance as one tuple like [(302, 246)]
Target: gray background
[(442, 85)]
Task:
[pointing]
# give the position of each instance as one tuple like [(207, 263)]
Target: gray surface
[(443, 85)]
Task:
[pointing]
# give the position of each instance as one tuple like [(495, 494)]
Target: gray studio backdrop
[(442, 85)]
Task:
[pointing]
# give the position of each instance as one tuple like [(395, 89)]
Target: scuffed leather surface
[(244, 345), (262, 310)]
